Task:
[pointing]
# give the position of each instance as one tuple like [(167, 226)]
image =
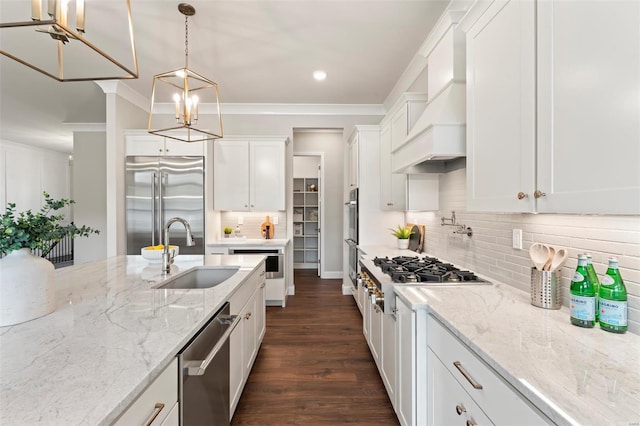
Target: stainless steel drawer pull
[(471, 422), (460, 409), (466, 375), (156, 411)]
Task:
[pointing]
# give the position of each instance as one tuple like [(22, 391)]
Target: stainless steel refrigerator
[(157, 189)]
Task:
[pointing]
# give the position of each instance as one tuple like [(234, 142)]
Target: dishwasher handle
[(198, 368)]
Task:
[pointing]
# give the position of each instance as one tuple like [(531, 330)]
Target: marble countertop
[(111, 335), (249, 242), (573, 375)]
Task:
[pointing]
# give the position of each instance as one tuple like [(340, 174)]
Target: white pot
[(403, 244), (27, 287)]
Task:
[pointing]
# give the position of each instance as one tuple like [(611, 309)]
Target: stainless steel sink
[(200, 278)]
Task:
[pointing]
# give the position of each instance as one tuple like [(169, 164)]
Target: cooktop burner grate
[(410, 269)]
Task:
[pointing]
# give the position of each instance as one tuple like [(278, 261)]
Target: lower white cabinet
[(448, 403), (249, 303), (388, 355), (375, 333), (155, 406), (411, 365), (470, 383)]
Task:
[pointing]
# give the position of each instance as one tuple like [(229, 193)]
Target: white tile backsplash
[(489, 251), (251, 222)]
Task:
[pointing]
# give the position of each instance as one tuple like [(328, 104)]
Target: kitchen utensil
[(558, 260), (539, 254), (267, 229), (547, 264), (545, 291)]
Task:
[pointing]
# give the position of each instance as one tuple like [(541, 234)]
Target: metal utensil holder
[(545, 289)]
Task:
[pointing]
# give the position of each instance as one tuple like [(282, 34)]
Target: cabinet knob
[(522, 195), (246, 205), (389, 204), (460, 409), (251, 205), (247, 315), (539, 194), (471, 422)]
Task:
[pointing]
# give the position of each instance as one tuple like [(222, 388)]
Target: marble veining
[(111, 335), (573, 375)]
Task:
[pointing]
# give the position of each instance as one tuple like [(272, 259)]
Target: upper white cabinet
[(354, 168), (140, 142), (553, 107), (249, 174)]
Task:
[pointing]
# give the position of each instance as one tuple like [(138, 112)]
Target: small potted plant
[(402, 233), (227, 231), (27, 290)]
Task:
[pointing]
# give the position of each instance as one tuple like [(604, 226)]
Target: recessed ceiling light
[(319, 75)]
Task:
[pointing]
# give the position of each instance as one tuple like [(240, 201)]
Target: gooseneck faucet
[(166, 260)]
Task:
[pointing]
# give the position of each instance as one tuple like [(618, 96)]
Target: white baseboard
[(347, 288), (333, 275), (292, 290)]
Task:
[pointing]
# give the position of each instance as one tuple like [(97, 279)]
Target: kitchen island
[(111, 335)]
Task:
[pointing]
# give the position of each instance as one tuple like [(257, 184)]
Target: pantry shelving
[(305, 223)]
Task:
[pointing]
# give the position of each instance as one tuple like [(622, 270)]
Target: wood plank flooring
[(314, 366)]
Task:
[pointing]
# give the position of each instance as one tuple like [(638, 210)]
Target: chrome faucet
[(166, 261)]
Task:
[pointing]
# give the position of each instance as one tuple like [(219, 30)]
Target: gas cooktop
[(415, 269)]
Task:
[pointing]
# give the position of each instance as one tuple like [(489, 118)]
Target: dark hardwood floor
[(314, 366)]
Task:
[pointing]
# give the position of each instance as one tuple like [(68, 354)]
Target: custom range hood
[(439, 134)]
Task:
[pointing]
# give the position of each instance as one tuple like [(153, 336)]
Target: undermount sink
[(200, 278)]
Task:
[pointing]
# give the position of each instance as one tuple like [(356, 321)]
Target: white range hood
[(440, 132)]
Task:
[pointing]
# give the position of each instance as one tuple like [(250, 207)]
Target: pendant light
[(63, 29), (193, 99)]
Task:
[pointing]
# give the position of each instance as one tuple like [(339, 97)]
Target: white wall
[(489, 250), (89, 191)]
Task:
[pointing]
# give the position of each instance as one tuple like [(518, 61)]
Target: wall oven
[(352, 240), (274, 263)]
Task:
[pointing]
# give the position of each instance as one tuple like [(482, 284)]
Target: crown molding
[(281, 109)]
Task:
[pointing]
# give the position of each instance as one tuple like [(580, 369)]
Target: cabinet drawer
[(449, 403), (246, 290), (157, 400), (502, 403)]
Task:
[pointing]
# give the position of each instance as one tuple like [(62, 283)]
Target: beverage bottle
[(613, 300), (591, 274), (583, 296)]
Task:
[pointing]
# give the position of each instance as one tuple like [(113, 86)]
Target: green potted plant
[(402, 233), (227, 231), (27, 288)]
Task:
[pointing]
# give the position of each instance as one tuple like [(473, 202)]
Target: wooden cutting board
[(263, 228)]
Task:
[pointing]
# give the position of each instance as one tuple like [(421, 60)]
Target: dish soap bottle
[(583, 296), (591, 274), (613, 300)]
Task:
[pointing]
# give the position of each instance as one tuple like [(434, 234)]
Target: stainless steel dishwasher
[(204, 373)]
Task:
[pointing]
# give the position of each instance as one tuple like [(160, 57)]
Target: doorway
[(307, 211)]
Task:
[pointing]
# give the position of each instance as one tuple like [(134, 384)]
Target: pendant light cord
[(186, 41)]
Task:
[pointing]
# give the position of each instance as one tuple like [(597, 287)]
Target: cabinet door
[(249, 347), (231, 175), (173, 147), (405, 404), (423, 192), (392, 186), (389, 345), (448, 403), (589, 107), (366, 316), (267, 170), (261, 314), (501, 108), (236, 366), (151, 145), (375, 334), (353, 163)]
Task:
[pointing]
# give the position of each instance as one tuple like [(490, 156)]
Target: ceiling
[(261, 51)]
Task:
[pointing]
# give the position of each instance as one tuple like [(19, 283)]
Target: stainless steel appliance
[(274, 262), (204, 373), (379, 275), (352, 241), (158, 188)]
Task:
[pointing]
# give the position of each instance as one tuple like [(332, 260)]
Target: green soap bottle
[(613, 300), (583, 296), (591, 274)]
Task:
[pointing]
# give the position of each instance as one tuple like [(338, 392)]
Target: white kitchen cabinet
[(140, 142), (411, 365), (354, 164), (448, 403), (477, 386), (366, 315), (375, 333), (154, 404), (423, 192), (393, 186), (559, 157), (388, 356), (249, 175), (244, 342)]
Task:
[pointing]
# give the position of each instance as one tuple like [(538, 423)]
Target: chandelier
[(191, 98), (56, 41)]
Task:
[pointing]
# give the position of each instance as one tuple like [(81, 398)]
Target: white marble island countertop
[(574, 375), (111, 335)]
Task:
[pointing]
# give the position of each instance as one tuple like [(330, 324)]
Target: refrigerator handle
[(153, 209), (160, 206)]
